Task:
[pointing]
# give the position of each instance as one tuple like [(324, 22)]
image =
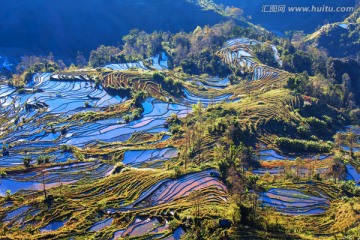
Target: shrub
[(65, 148), (177, 171), (27, 161), (316, 123), (138, 97), (87, 105), (327, 119), (43, 159), (350, 186), (127, 118), (136, 114), (63, 130), (295, 145), (304, 129), (158, 77), (8, 195), (173, 85), (173, 120)]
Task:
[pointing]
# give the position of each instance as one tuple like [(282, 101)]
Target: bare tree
[(43, 182), (195, 198)]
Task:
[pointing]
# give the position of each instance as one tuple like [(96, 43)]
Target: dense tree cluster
[(103, 55), (29, 65), (265, 54), (193, 52), (173, 86)]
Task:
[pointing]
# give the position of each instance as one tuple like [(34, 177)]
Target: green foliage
[(173, 120), (103, 55), (27, 161), (177, 171), (158, 77), (295, 145), (29, 65), (66, 148), (193, 52), (127, 118), (233, 156), (297, 83), (43, 159), (139, 97), (265, 54), (8, 195), (304, 129), (173, 123), (205, 62), (298, 62), (87, 104), (317, 124), (173, 86), (141, 45), (136, 114), (350, 187)]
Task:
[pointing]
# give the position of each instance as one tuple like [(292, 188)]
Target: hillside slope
[(340, 39)]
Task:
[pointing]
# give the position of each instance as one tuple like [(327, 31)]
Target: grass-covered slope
[(340, 39)]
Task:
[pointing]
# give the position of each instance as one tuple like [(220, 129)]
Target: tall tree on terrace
[(338, 139), (198, 129), (195, 198), (351, 139)]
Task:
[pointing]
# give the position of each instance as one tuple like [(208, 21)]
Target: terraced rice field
[(280, 170), (354, 129), (249, 42), (176, 235), (50, 99), (352, 174), (80, 134), (54, 96), (13, 215), (171, 190), (138, 157), (64, 96), (53, 226), (212, 83), (159, 62), (141, 227), (151, 227), (141, 199), (237, 53), (244, 41), (54, 176), (272, 155), (154, 117), (126, 66), (101, 225), (205, 100), (276, 169), (294, 202)]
